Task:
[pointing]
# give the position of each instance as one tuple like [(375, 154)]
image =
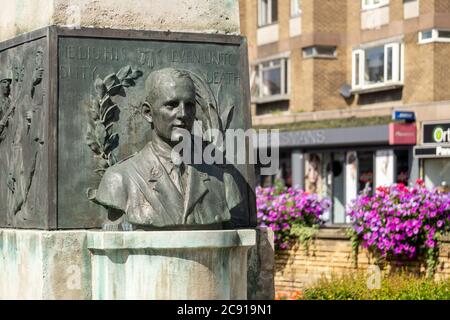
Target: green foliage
[(355, 242), (330, 123), (432, 256), (393, 287), (279, 186), (305, 234)]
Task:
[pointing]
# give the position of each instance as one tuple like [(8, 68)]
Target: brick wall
[(303, 92), (321, 79), (330, 16), (426, 6), (284, 12), (249, 23), (330, 74), (441, 6), (308, 16), (396, 10), (315, 83), (329, 77), (442, 71), (418, 61), (331, 254)]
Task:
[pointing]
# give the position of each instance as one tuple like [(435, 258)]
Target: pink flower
[(400, 220), (430, 243), (281, 208)]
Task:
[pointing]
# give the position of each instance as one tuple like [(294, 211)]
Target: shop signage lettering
[(407, 116), (440, 135), (436, 133), (421, 152), (443, 152), (402, 133), (302, 138)]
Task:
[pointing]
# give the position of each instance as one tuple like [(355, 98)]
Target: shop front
[(340, 163), (434, 154)]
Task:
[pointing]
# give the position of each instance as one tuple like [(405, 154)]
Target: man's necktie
[(177, 176)]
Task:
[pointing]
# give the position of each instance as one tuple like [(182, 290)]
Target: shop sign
[(436, 133), (442, 152), (432, 152), (402, 133), (408, 116)]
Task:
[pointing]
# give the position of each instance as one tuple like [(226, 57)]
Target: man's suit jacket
[(142, 189)]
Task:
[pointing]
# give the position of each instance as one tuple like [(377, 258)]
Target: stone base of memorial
[(124, 265), (36, 264), (170, 265)]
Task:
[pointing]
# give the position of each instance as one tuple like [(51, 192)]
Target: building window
[(437, 173), (402, 166), (434, 35), (425, 36), (270, 79), (365, 170), (319, 52), (372, 4), (377, 66), (267, 12), (295, 8), (283, 176)]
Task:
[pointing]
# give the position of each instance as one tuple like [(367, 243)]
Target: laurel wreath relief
[(103, 114)]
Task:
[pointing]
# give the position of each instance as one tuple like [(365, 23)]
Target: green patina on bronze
[(79, 111), (23, 159)]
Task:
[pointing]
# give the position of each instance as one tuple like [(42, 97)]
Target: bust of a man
[(151, 189)]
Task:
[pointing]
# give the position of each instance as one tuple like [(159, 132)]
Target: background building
[(330, 74)]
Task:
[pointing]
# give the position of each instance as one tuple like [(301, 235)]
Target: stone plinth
[(44, 265), (206, 16), (170, 265), (261, 266)]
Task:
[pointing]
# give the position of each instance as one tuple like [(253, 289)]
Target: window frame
[(269, 14), (296, 11), (372, 5), (358, 73), (315, 54), (434, 36), (397, 71), (285, 78)]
